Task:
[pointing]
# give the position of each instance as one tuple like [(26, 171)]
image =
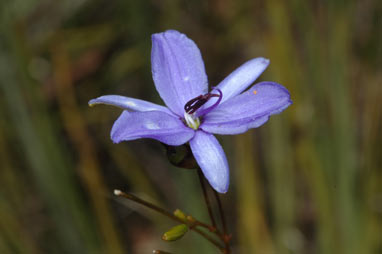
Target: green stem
[(206, 199), (161, 252), (169, 215), (226, 237)]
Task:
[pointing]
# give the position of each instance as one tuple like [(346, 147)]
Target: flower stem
[(206, 199), (171, 216), (226, 237), (161, 252)]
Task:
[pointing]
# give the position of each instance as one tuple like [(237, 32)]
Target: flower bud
[(191, 219), (175, 233), (181, 156), (180, 214)]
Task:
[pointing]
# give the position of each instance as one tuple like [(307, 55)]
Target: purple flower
[(193, 114)]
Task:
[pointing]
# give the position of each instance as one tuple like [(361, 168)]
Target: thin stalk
[(221, 212), (161, 252), (206, 199), (169, 215), (210, 228), (226, 237)]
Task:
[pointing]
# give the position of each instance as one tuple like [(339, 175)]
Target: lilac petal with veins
[(212, 160), (241, 78), (151, 124), (247, 110), (178, 69), (128, 103)]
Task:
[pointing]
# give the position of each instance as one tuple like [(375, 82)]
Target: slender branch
[(206, 199), (169, 215), (212, 229), (210, 239), (221, 211), (161, 252), (226, 237), (209, 227), (223, 236)]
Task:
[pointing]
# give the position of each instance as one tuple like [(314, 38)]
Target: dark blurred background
[(308, 181)]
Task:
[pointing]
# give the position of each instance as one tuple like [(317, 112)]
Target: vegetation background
[(308, 181)]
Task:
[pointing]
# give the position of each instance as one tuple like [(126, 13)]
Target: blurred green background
[(308, 181)]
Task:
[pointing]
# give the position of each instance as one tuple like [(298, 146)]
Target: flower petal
[(211, 159), (240, 79), (151, 124), (178, 69), (128, 103), (247, 110)]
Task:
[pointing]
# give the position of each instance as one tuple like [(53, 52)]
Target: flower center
[(192, 114), (191, 121)]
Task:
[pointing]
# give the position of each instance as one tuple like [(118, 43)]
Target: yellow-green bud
[(191, 219), (175, 233), (180, 214)]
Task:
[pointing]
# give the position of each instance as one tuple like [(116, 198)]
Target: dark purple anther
[(197, 102)]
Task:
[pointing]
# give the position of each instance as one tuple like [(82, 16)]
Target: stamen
[(194, 104), (207, 110)]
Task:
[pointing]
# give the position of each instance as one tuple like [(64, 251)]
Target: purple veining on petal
[(178, 69), (157, 125), (247, 110), (212, 160), (128, 103)]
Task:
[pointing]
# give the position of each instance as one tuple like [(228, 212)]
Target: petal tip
[(156, 37), (262, 61), (92, 102), (166, 33), (172, 32), (172, 36), (114, 137), (265, 60), (222, 190), (221, 185)]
